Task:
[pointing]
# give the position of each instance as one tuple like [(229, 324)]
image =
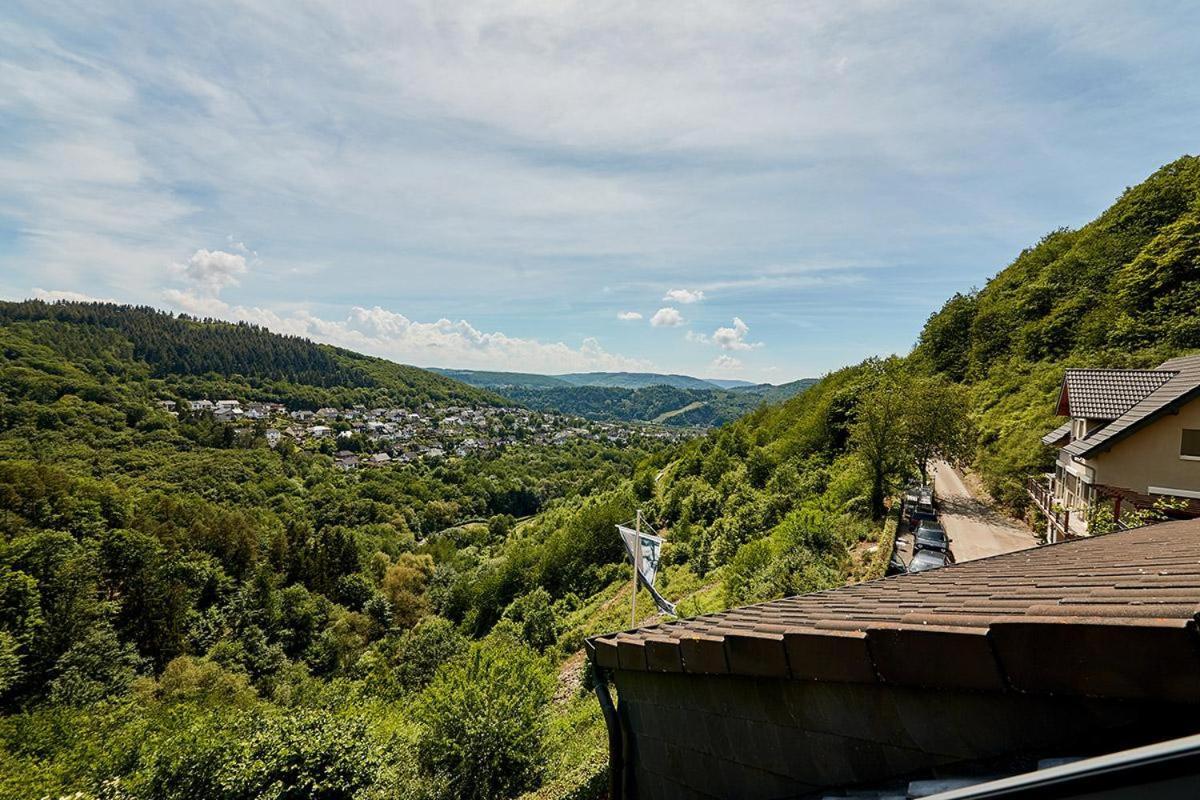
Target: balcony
[(1060, 523)]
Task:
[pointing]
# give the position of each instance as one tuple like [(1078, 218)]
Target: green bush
[(484, 722), (301, 755)]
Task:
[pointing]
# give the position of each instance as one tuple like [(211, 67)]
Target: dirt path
[(976, 529)]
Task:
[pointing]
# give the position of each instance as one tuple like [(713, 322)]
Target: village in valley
[(372, 437)]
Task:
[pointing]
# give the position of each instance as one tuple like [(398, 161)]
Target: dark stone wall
[(694, 736)]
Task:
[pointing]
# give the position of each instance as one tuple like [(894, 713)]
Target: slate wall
[(697, 736)]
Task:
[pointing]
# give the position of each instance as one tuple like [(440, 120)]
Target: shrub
[(433, 643), (534, 614), (484, 722), (308, 754)]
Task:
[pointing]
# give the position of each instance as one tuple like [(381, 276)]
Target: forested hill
[(667, 405), (676, 400), (209, 358), (1122, 291), (636, 380), (775, 393)]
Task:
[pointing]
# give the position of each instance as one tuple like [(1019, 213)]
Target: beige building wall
[(1150, 457)]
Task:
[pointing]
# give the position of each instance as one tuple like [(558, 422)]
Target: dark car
[(896, 565), (931, 535), (928, 559)]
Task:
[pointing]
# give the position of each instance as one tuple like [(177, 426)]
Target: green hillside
[(219, 359), (502, 380), (676, 400), (1122, 291), (705, 407), (635, 380), (187, 614), (776, 393)]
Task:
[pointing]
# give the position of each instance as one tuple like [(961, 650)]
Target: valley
[(190, 611), (674, 400)]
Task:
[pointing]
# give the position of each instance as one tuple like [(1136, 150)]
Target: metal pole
[(637, 557)]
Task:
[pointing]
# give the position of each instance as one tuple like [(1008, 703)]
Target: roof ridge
[(1150, 370)]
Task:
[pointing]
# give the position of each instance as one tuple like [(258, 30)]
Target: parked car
[(923, 507), (896, 565), (928, 559), (931, 535), (911, 495)]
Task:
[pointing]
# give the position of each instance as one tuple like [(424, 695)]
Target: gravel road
[(976, 530)]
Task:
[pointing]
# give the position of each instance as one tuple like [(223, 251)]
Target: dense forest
[(188, 615), (666, 405), (674, 400), (213, 358), (185, 620)]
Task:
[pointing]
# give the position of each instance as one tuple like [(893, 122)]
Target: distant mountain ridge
[(668, 399), (492, 379)]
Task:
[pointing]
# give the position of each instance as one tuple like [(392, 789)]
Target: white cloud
[(628, 316), (195, 303), (52, 295), (726, 363), (684, 295), (734, 338), (378, 331), (666, 318), (386, 333), (213, 270), (704, 145), (699, 338)]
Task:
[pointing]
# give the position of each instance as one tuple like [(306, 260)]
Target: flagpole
[(637, 557)]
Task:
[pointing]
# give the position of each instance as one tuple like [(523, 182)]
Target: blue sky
[(743, 190)]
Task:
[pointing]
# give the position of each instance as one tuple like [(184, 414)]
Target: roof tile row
[(1181, 385), (1112, 615)]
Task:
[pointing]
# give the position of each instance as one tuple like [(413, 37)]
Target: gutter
[(618, 774)]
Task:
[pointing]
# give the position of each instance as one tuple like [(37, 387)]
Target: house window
[(1189, 447)]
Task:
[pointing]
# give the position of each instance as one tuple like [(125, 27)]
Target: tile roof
[(1108, 616), (1058, 434), (1107, 393), (1182, 386)]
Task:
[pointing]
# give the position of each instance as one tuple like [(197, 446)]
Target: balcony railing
[(1058, 520)]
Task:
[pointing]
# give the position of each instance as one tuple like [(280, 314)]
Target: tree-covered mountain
[(200, 616), (635, 380), (665, 405), (210, 359), (502, 380), (675, 400), (776, 393), (1122, 291)]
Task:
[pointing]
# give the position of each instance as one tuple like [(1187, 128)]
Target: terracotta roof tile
[(1182, 386), (1058, 434), (1138, 589), (1108, 393)]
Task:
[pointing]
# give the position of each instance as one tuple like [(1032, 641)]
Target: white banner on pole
[(650, 551), (647, 549)]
